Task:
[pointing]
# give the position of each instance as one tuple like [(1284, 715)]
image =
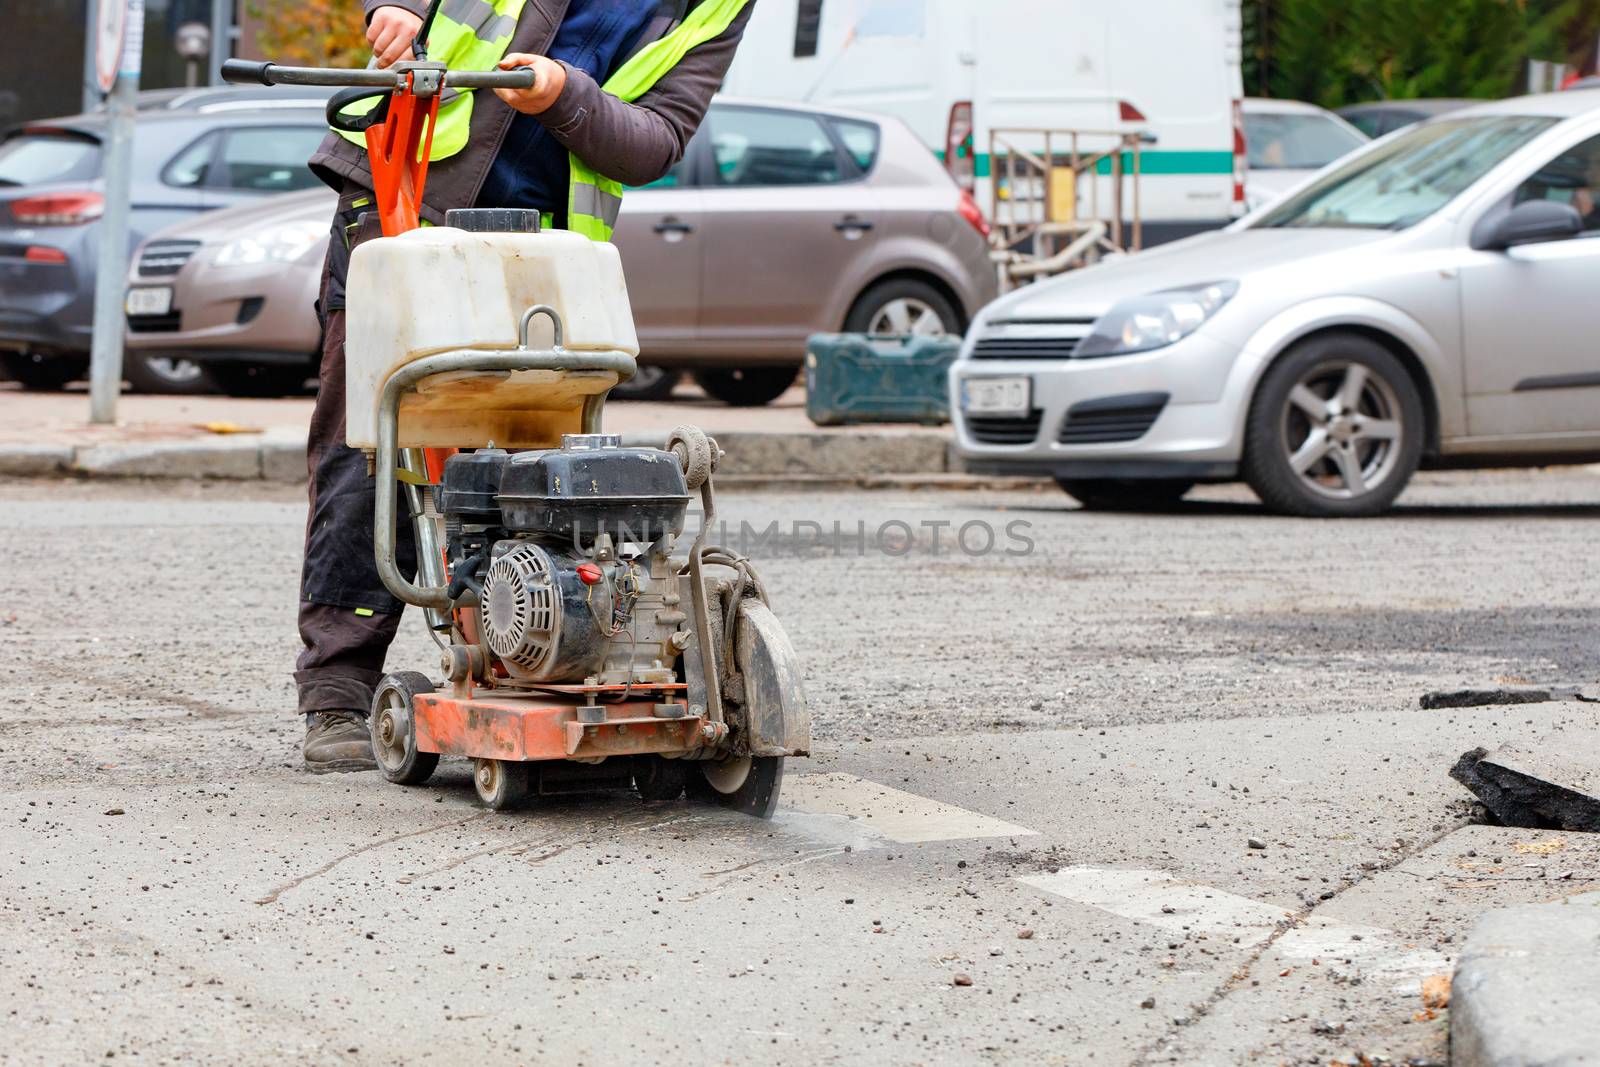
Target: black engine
[(542, 538)]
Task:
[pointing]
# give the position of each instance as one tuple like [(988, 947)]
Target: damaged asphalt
[(1041, 773)]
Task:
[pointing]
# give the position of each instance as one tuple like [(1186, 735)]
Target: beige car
[(781, 221)]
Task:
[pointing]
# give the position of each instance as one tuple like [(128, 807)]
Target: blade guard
[(778, 720)]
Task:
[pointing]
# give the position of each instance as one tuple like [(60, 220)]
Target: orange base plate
[(542, 727)]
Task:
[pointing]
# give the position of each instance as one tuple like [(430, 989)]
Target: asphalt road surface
[(1027, 834)]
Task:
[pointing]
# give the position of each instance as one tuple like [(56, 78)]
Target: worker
[(620, 88)]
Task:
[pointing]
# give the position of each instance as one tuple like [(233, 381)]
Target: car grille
[(168, 323), (1011, 430), (1025, 347), (163, 259), (1111, 419)]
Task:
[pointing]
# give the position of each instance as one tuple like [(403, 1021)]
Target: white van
[(1169, 68)]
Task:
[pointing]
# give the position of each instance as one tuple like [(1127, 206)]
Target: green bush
[(1337, 52)]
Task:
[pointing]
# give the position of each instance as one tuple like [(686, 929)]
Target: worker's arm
[(636, 143)]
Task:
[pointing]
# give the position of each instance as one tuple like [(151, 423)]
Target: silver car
[(1430, 299)]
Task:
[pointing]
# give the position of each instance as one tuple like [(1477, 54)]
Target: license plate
[(996, 396), (149, 301)]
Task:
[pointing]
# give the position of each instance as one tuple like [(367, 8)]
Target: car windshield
[(1402, 182), (32, 159), (1305, 141)]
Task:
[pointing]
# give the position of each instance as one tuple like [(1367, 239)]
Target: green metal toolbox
[(851, 377)]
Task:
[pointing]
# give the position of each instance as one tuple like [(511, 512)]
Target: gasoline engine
[(569, 551)]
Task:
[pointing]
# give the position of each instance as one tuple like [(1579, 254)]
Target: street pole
[(91, 91), (105, 352), (221, 23)]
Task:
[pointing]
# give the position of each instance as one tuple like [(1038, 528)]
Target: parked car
[(1287, 142), (185, 161), (1430, 299), (1385, 116), (781, 221), (234, 291)]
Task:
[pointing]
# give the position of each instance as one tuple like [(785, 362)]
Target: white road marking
[(1157, 898), (1378, 955), (892, 813)]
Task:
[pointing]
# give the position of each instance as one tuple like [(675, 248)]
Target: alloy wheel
[(906, 316), (1342, 429), (173, 370)]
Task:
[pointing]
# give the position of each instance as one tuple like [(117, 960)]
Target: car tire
[(746, 387), (650, 383), (1335, 430), (151, 372), (256, 380), (1126, 494), (44, 371), (903, 306)]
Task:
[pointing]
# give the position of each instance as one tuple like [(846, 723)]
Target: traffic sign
[(110, 27)]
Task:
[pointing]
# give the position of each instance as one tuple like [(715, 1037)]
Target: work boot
[(338, 741)]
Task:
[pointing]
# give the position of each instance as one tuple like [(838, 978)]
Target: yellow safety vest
[(475, 34)]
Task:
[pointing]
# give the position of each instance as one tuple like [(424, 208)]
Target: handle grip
[(246, 72), (520, 78)]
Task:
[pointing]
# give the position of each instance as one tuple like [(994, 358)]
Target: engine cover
[(593, 486)]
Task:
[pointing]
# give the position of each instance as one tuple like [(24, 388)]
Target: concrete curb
[(868, 459), (1524, 988)]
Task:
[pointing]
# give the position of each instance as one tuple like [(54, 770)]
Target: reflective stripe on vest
[(466, 35), (594, 201)]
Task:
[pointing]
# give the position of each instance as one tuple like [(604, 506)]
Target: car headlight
[(281, 244), (1155, 320)]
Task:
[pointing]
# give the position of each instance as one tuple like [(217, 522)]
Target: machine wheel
[(649, 383), (1125, 494), (745, 783), (394, 729), (44, 371), (746, 387), (257, 380), (501, 784), (659, 779), (151, 372), (1335, 430), (903, 307)]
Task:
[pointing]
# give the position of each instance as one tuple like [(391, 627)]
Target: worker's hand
[(551, 79), (391, 32)]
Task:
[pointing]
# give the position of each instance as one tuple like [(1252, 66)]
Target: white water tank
[(441, 289)]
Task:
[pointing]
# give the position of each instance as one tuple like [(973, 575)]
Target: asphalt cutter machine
[(578, 650)]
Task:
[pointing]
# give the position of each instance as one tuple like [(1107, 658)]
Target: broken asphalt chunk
[(1522, 787), (1482, 698)]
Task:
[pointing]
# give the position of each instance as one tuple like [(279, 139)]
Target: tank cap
[(493, 219), (589, 442)]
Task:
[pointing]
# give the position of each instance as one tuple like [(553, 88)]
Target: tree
[(313, 33), (1337, 52)]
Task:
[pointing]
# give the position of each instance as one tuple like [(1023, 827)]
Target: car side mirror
[(1530, 222)]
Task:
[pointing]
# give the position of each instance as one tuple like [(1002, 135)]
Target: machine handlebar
[(249, 72)]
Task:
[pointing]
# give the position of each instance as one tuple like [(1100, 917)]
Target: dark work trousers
[(347, 617)]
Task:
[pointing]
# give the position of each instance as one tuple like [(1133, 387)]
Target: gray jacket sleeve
[(637, 143), (418, 8)]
